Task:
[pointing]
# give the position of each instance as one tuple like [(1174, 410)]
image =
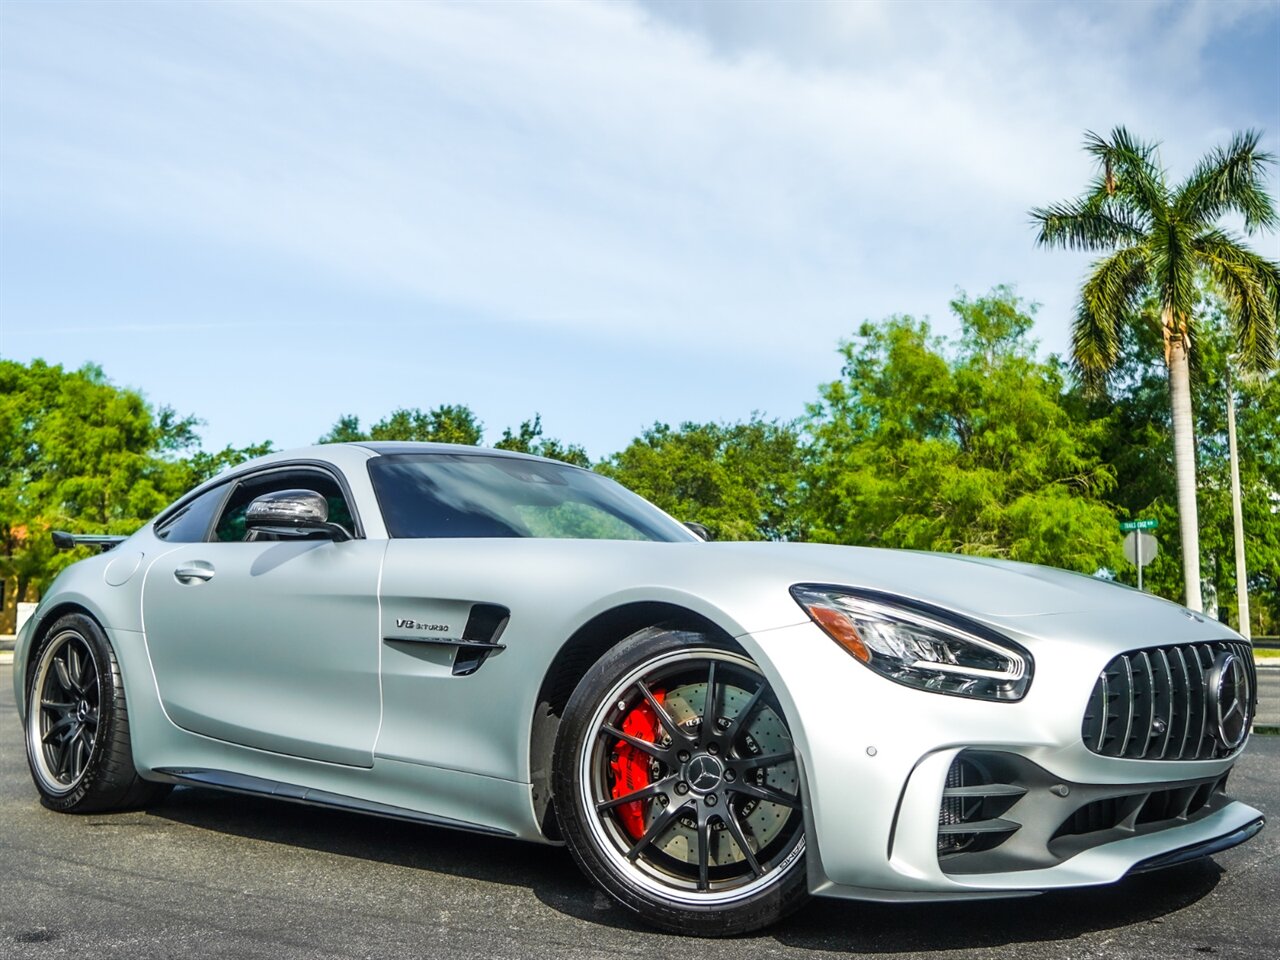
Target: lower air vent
[(969, 819), (1116, 817)]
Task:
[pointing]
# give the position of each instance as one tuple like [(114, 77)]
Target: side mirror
[(702, 532), (293, 514)]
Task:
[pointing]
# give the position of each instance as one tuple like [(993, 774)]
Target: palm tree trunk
[(1184, 457), (1237, 517)]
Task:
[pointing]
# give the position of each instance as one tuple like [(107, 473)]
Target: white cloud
[(724, 176)]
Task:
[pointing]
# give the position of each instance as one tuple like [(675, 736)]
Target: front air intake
[(972, 803)]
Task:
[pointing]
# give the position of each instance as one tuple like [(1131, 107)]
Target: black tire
[(77, 731), (713, 844)]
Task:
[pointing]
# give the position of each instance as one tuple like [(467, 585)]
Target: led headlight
[(917, 647)]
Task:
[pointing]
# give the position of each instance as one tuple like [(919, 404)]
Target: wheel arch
[(39, 630), (575, 657)]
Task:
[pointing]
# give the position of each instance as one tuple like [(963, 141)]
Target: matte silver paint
[(276, 668)]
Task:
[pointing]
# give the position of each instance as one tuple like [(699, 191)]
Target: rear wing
[(69, 541)]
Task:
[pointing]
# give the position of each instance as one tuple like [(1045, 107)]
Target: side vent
[(484, 627)]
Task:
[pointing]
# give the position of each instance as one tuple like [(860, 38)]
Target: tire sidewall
[(104, 662), (784, 894)]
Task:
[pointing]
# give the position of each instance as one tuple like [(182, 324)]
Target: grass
[(1266, 654)]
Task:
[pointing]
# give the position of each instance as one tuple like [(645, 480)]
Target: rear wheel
[(78, 724), (678, 789)]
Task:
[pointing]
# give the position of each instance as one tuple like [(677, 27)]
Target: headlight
[(918, 647)]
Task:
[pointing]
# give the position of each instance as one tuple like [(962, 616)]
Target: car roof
[(386, 448)]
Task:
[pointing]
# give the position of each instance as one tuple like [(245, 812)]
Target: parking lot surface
[(216, 875)]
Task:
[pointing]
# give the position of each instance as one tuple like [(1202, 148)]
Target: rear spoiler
[(69, 541)]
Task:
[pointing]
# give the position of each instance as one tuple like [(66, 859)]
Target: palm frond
[(1173, 269), (1087, 223), (1106, 300), (1251, 284), (1230, 180), (1130, 170)]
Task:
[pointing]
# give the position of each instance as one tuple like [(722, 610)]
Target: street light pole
[(1242, 581)]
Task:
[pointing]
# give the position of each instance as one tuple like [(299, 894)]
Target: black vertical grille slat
[(1196, 705), (1144, 704), (1182, 695), (1104, 696), (1204, 659), (1154, 704), (1164, 699), (1122, 702)]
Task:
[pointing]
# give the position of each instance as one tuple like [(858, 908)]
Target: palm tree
[(1160, 241)]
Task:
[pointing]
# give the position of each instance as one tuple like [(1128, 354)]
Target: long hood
[(980, 586), (745, 586)]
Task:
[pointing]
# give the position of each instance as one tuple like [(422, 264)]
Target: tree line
[(972, 443)]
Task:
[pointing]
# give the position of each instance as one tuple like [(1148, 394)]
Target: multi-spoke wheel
[(678, 789), (77, 723)]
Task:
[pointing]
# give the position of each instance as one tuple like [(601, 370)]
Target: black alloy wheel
[(77, 731), (678, 786)]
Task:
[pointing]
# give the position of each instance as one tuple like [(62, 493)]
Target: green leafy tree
[(346, 430), (529, 439), (960, 446), (1160, 237), (737, 479), (448, 423), (78, 453)]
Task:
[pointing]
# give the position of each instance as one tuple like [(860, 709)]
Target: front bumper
[(876, 758)]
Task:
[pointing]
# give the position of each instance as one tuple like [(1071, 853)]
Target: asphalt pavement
[(214, 875), (1268, 694)]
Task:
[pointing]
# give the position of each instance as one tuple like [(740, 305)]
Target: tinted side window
[(191, 523), (231, 526)]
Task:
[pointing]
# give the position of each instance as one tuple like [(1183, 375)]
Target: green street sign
[(1148, 524)]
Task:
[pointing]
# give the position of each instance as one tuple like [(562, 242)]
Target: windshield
[(474, 495)]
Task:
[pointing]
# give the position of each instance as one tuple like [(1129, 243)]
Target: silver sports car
[(501, 643)]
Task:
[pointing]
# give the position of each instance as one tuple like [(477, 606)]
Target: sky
[(273, 214)]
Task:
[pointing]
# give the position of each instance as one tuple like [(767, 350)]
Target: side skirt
[(262, 787)]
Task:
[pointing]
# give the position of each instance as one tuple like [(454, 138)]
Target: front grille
[(1155, 704)]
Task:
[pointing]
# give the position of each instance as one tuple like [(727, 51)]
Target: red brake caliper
[(631, 765)]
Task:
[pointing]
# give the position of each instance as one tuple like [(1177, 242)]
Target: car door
[(271, 644)]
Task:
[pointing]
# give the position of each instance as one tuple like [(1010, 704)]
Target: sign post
[(1139, 548)]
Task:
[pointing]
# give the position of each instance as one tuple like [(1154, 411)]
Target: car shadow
[(400, 843), (835, 925), (823, 925)]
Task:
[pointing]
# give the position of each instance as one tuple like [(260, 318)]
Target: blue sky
[(273, 214)]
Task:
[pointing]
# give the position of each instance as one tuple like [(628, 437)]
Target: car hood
[(978, 585), (744, 587)]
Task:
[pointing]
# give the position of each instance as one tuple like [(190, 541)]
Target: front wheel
[(78, 724), (678, 789)]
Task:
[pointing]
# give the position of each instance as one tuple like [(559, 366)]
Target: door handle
[(195, 572)]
